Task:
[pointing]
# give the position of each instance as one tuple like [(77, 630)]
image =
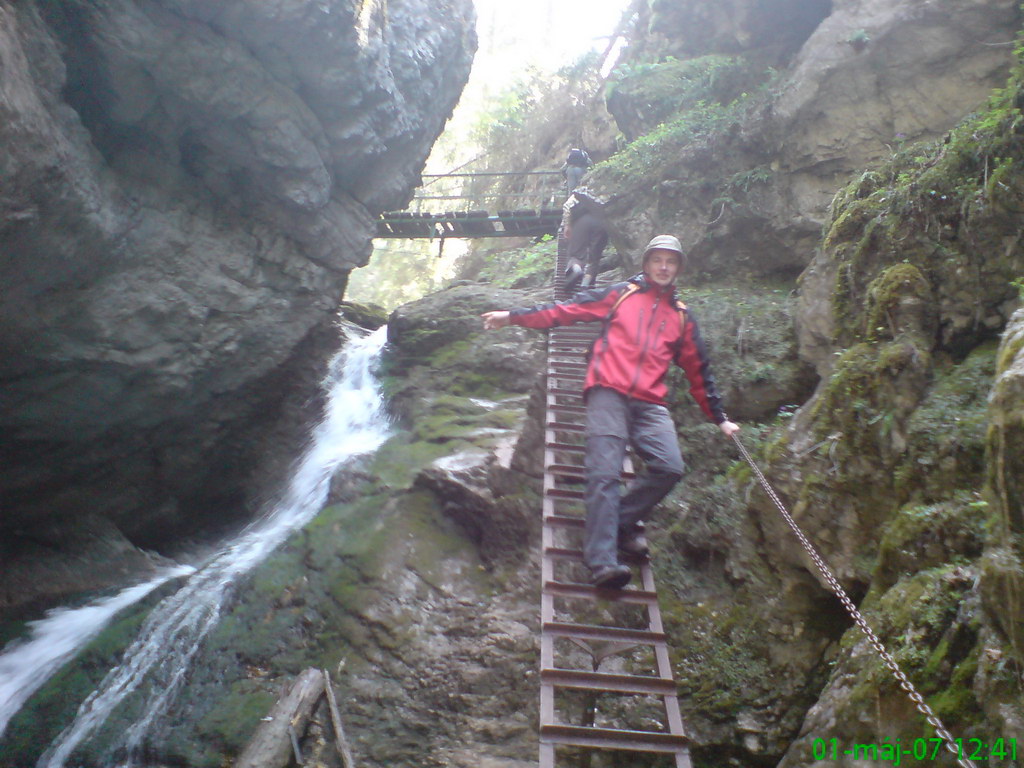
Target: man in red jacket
[(646, 330)]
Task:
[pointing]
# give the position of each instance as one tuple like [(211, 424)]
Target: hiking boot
[(633, 547), (573, 276), (611, 576)]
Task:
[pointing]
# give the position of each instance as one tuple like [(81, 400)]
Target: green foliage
[(521, 267), (400, 271), (745, 180), (643, 94), (1019, 285), (532, 123), (647, 153)]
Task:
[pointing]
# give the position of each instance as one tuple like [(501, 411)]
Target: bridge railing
[(488, 204), (443, 192)]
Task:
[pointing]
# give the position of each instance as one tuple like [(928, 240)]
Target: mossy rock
[(921, 621), (752, 343), (933, 207), (645, 95), (946, 433), (52, 708), (370, 316), (900, 300), (873, 388), (926, 536)]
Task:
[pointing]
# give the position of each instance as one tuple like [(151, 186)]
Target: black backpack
[(578, 157)]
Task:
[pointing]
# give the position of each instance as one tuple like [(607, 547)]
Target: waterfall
[(354, 422), (26, 664)]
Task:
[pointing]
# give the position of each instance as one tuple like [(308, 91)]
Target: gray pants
[(613, 421), (573, 177)]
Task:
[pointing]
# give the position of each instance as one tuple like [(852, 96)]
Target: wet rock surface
[(186, 186)]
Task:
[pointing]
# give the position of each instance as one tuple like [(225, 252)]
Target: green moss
[(54, 705), (643, 158), (926, 536), (397, 462), (925, 208), (646, 94), (861, 392), (231, 724), (946, 433), (850, 219), (892, 286), (722, 660), (1009, 352), (916, 620)]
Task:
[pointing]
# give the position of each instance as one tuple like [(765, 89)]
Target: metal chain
[(837, 588)]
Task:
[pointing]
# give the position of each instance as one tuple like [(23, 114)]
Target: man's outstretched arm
[(498, 318)]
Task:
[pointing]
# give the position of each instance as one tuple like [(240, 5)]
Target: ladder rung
[(587, 591), (564, 426), (594, 632), (606, 681), (563, 493), (573, 470), (612, 738), (562, 391), (565, 521), (563, 553), (567, 447), (559, 408)]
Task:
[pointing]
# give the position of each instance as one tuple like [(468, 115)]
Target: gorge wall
[(186, 186), (855, 234)]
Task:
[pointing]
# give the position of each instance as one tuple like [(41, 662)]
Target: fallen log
[(339, 733), (271, 745)]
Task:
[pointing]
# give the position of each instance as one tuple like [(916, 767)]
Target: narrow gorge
[(186, 189)]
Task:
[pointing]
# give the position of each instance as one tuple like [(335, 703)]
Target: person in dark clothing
[(646, 329), (576, 164), (588, 237)]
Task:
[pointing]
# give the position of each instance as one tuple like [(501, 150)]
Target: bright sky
[(548, 33), (516, 34)]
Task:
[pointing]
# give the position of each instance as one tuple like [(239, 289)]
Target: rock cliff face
[(186, 186), (856, 289), (896, 465), (745, 160)]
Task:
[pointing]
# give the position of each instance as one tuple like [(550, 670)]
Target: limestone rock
[(185, 188), (746, 184), (1004, 558)]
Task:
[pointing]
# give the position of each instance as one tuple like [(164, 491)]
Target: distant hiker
[(588, 237), (576, 164), (646, 329)]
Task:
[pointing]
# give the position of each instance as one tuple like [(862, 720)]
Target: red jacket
[(642, 339)]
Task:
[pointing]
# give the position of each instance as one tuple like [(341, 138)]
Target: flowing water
[(157, 661), (26, 664)]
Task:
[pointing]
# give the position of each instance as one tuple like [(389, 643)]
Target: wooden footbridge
[(447, 206), (605, 674)]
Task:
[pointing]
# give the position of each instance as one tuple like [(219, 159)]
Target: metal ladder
[(581, 625)]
